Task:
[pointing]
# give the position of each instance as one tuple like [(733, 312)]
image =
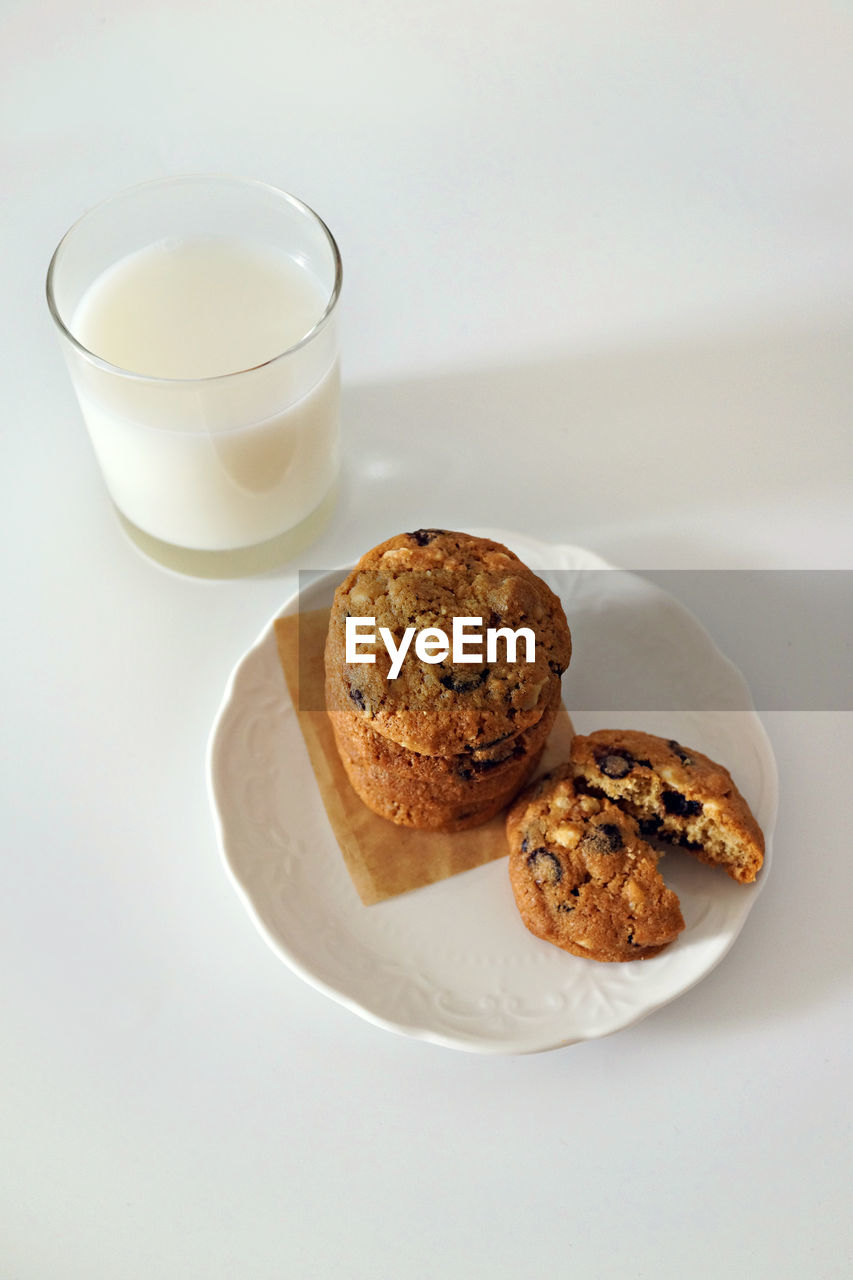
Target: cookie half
[(675, 793), (583, 877)]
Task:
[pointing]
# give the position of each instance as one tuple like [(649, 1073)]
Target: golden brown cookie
[(426, 579), (582, 876), (440, 793), (675, 793)]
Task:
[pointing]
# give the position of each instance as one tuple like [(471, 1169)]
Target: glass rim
[(175, 180)]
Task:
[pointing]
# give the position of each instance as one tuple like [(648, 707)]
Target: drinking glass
[(232, 471)]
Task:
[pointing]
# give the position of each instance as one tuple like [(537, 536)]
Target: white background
[(598, 279)]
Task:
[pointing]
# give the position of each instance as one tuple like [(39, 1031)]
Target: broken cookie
[(584, 878), (675, 794)]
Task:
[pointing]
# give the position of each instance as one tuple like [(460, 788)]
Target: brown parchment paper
[(383, 859)]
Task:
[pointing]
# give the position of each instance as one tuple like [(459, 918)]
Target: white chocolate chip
[(634, 894), (568, 834), (397, 557), (532, 696), (360, 594)]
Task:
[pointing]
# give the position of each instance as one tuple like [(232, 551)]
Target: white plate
[(452, 963)]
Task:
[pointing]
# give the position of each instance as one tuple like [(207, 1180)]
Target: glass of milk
[(197, 316)]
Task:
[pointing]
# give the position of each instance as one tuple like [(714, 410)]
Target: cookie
[(425, 579), (439, 793), (583, 877), (675, 793)]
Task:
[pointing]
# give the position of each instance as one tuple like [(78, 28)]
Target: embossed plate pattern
[(453, 963)]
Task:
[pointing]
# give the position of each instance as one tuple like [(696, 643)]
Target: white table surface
[(598, 280)]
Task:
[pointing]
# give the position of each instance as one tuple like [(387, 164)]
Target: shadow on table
[(628, 436)]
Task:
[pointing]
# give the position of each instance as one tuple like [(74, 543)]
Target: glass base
[(242, 562)]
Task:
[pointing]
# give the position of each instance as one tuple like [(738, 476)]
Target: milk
[(212, 438)]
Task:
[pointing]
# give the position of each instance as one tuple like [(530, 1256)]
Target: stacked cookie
[(443, 739)]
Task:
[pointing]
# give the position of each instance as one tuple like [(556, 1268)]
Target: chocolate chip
[(456, 684), (606, 838), (487, 746), (678, 750), (650, 826), (564, 906), (631, 941), (358, 698), (674, 802), (616, 764), (612, 834), (483, 766), (577, 889), (546, 867), (423, 537), (525, 845)]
